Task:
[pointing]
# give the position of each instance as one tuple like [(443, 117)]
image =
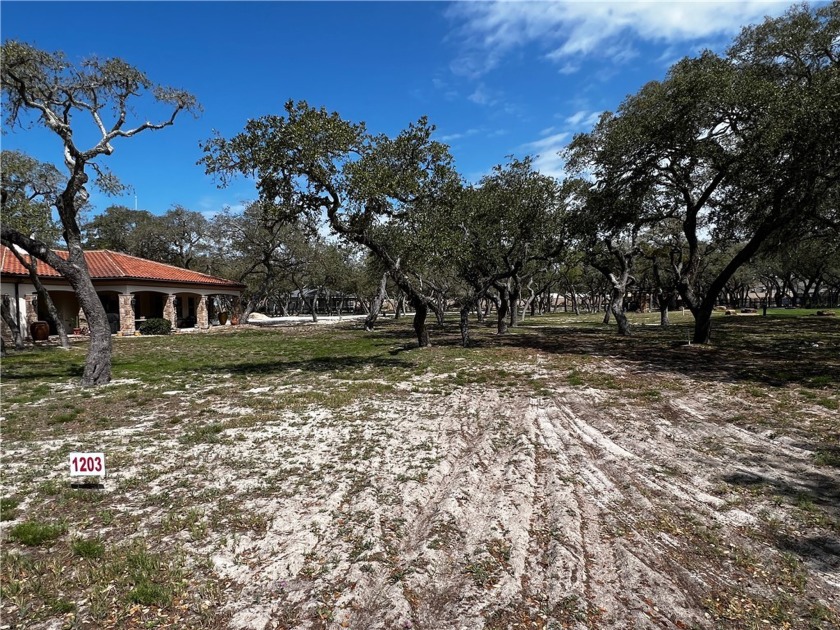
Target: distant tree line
[(718, 184)]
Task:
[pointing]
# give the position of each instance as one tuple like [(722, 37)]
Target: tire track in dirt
[(625, 583), (530, 512)]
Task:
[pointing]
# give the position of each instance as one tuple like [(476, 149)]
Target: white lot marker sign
[(87, 464)]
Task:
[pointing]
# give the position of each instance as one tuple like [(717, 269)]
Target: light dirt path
[(491, 510), (482, 506)]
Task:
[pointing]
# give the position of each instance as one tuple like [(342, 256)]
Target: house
[(131, 289)]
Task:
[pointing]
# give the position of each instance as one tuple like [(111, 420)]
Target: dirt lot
[(546, 490)]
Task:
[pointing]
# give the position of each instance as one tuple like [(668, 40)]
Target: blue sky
[(496, 78)]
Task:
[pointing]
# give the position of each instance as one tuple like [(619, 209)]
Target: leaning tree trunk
[(616, 305), (12, 323), (97, 370), (43, 296), (607, 314), (98, 361), (250, 307), (376, 304)]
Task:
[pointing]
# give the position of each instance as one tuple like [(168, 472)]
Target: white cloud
[(546, 151), (569, 68), (482, 96), (587, 28), (583, 118), (457, 136)]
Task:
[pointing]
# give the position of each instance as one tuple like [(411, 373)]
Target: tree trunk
[(465, 324), (514, 297), (421, 310), (607, 314), (617, 307), (313, 301), (502, 310), (440, 312), (250, 306), (310, 302), (663, 301), (12, 323), (702, 324), (43, 296), (399, 305), (376, 304), (664, 319), (575, 305), (479, 310)]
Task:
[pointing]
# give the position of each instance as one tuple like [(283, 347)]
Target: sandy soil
[(491, 507)]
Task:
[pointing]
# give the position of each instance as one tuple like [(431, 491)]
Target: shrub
[(156, 326), (149, 594), (88, 548), (34, 533)]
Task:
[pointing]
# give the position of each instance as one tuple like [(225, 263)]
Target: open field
[(314, 476)]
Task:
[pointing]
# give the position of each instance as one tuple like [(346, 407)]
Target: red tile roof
[(108, 265)]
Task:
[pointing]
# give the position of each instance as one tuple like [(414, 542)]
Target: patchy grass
[(8, 508), (35, 533)]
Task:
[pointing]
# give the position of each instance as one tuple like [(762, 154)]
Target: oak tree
[(44, 85)]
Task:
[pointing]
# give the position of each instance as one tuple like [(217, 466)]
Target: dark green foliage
[(156, 326), (33, 533), (88, 548)]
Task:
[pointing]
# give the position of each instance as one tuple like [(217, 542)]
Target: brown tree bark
[(12, 323), (502, 308), (31, 265), (421, 311), (376, 304), (464, 324)]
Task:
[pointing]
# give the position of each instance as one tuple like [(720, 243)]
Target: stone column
[(236, 312), (126, 314), (169, 311), (202, 320)]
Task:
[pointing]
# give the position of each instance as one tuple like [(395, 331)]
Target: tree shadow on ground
[(821, 553), (321, 365), (45, 371), (811, 487), (816, 496), (794, 350)]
